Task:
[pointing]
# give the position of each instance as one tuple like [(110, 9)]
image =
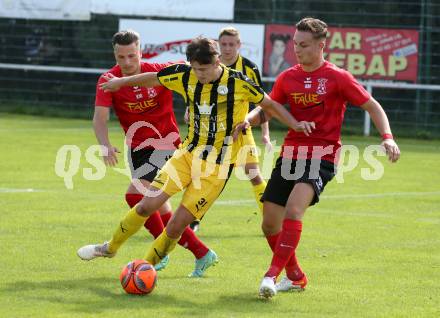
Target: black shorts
[(288, 172), (146, 163)]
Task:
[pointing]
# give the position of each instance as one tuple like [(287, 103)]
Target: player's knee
[(142, 209), (294, 212), (145, 207), (269, 227)]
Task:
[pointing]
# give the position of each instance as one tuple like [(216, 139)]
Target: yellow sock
[(129, 225), (258, 192), (161, 247)]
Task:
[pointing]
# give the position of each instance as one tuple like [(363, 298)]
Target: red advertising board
[(380, 54)]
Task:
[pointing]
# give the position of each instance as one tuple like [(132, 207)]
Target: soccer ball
[(138, 277)]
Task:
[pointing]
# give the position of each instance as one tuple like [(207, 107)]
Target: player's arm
[(265, 136), (100, 119), (113, 83), (278, 111), (380, 120), (266, 110)]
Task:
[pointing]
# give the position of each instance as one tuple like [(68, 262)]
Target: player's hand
[(110, 156), (267, 143), (239, 128), (305, 126), (112, 84), (186, 116), (391, 149)]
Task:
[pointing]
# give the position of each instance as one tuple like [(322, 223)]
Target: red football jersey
[(320, 96), (134, 105)]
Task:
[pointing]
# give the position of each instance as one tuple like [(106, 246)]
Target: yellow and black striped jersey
[(214, 108), (248, 68)]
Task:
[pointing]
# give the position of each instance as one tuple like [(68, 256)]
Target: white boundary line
[(342, 196), (251, 202), (13, 190)]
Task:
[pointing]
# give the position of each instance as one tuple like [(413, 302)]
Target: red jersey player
[(316, 91), (147, 117)]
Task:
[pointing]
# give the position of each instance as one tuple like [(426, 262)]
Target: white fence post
[(367, 120)]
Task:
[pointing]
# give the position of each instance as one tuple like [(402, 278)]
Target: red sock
[(154, 223), (133, 198), (293, 270), (166, 217), (272, 240), (188, 239), (285, 247)]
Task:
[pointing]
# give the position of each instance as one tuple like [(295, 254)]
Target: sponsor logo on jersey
[(321, 90), (141, 106), (308, 82)]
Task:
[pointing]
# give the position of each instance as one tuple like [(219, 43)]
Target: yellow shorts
[(248, 152), (203, 181)]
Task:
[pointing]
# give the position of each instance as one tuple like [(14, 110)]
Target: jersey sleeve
[(352, 91), (171, 77), (277, 93), (254, 74), (256, 93), (156, 67), (102, 98)]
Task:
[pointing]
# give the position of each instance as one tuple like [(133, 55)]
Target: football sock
[(258, 193), (160, 248), (154, 223), (272, 240), (188, 239), (133, 198), (293, 270), (285, 247), (129, 225), (166, 217)]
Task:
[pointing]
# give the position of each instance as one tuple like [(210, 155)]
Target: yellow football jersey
[(214, 108)]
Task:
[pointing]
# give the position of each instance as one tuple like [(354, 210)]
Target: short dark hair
[(317, 27), (202, 50), (279, 36), (125, 37)]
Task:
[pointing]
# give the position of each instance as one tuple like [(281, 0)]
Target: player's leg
[(248, 159), (198, 200), (258, 184), (275, 198), (166, 242), (318, 174), (128, 225), (189, 239), (166, 183), (144, 166), (133, 196), (305, 192), (288, 239)]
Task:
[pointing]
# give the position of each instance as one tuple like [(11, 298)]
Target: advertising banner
[(379, 54), (46, 10), (194, 9)]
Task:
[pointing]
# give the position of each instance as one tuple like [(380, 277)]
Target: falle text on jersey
[(310, 99), (141, 105)]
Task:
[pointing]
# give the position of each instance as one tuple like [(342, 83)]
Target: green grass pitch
[(370, 248)]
